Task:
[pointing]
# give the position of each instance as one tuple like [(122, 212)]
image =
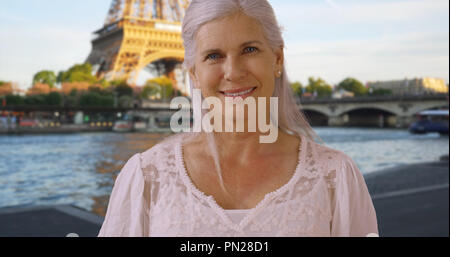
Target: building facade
[(416, 86)]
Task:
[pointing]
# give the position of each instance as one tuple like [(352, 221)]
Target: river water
[(80, 169)]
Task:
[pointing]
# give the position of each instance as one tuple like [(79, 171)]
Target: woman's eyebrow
[(242, 45)]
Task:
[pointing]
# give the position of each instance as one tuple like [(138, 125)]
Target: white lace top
[(154, 196)]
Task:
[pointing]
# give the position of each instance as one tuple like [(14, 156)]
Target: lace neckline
[(239, 211), (250, 213)]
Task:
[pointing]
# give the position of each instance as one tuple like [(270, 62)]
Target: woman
[(230, 184)]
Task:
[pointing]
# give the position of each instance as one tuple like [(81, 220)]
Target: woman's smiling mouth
[(243, 92)]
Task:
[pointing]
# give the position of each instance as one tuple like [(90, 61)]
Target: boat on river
[(430, 121)]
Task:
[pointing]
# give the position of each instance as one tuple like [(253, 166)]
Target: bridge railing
[(165, 105), (307, 100), (44, 108)]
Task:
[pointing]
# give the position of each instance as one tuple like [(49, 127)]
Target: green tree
[(124, 90), (104, 83), (150, 90), (107, 101), (77, 73), (71, 100), (54, 99), (353, 85), (100, 90), (45, 77), (319, 86), (93, 99), (59, 77), (297, 87), (125, 101), (35, 100), (118, 82), (121, 88), (14, 99), (163, 85)]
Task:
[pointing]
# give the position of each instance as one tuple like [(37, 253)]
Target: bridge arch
[(368, 107), (315, 117), (369, 117)]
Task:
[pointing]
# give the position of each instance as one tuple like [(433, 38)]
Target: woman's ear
[(279, 54), (279, 62)]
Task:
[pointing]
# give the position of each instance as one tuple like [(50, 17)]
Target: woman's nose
[(234, 69)]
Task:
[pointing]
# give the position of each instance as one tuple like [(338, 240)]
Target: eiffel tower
[(139, 34)]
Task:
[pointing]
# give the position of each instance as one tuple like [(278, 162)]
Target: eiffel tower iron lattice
[(137, 33)]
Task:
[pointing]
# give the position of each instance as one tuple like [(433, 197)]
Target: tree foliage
[(319, 86), (353, 85), (14, 99), (297, 87), (77, 73), (149, 90), (125, 101), (100, 90), (122, 88), (161, 86), (51, 99), (45, 77), (35, 100), (93, 99), (54, 99)]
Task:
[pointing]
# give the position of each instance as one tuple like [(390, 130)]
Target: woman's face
[(233, 58)]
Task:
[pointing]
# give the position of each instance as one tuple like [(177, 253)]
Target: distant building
[(67, 87), (417, 86), (40, 88), (6, 88)]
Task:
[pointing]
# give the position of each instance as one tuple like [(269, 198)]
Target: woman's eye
[(216, 56), (250, 49), (213, 57)]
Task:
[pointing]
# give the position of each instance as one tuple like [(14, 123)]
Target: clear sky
[(332, 39)]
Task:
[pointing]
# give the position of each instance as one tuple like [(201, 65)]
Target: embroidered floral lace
[(154, 196)]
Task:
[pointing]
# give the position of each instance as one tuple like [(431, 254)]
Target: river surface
[(80, 169)]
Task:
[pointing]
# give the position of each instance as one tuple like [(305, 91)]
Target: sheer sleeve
[(353, 211), (128, 207)]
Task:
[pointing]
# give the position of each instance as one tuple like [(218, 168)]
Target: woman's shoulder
[(165, 146), (326, 156), (323, 152), (334, 165), (162, 155)]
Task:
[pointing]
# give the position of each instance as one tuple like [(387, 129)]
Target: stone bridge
[(392, 111)]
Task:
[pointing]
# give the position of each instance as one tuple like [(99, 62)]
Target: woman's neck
[(241, 147)]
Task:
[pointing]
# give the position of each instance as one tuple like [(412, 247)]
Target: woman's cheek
[(207, 89), (211, 81)]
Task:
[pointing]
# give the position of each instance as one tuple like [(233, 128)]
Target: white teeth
[(239, 94)]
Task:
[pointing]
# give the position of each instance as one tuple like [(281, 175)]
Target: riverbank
[(408, 177), (62, 129), (420, 212), (73, 129), (410, 200)]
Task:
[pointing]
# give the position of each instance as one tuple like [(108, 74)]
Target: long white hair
[(200, 12)]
